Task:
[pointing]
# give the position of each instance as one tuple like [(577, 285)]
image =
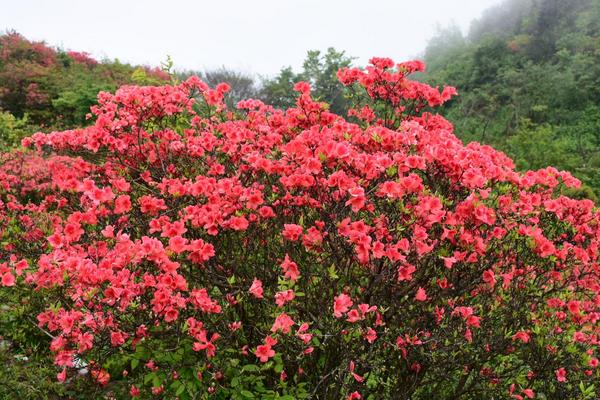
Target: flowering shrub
[(82, 57), (188, 250)]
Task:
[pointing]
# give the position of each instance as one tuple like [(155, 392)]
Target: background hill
[(528, 76), (43, 87)]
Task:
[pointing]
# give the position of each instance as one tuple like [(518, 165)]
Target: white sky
[(255, 36)]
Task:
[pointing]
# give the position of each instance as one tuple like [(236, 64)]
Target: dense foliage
[(179, 248), (529, 78)]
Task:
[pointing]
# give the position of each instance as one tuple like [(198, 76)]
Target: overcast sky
[(256, 36)]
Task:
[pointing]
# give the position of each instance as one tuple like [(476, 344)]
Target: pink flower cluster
[(300, 239)]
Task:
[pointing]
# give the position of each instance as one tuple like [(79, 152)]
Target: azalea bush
[(180, 249)]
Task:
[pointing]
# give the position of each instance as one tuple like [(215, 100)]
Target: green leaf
[(332, 273), (149, 377), (250, 368), (391, 171)]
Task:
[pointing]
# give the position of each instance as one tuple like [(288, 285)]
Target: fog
[(257, 36)]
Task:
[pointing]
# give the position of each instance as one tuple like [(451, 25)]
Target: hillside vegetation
[(44, 88), (528, 77)]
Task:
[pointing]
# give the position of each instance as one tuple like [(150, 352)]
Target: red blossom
[(256, 289), (341, 304)]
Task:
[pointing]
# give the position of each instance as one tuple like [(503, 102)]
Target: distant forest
[(528, 77)]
